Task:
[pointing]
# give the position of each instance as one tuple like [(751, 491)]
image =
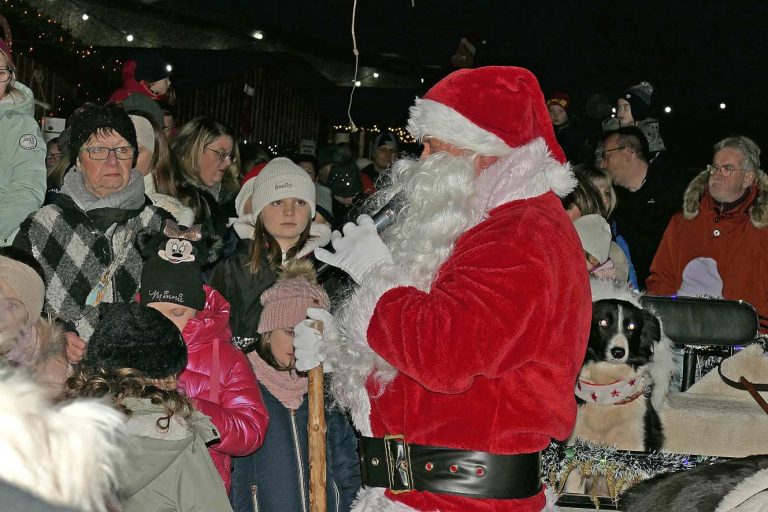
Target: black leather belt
[(401, 467)]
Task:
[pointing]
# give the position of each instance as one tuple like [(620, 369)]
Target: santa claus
[(457, 352)]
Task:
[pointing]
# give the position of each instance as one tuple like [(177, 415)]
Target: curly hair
[(119, 384)]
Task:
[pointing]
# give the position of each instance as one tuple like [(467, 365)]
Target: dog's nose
[(617, 352)]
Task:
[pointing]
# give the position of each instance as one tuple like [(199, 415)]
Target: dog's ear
[(651, 329)]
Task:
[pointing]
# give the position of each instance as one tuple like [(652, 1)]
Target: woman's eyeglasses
[(223, 155)]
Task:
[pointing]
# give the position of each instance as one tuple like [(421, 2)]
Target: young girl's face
[(286, 220), (176, 313), (281, 344)]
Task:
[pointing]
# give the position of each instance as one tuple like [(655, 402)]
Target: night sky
[(696, 54)]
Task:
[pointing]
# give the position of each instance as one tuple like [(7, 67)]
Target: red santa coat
[(487, 359), (235, 407), (736, 240)]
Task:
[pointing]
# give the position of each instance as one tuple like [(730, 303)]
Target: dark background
[(696, 54)]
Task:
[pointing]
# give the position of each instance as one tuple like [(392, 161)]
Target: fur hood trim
[(758, 211), (430, 118), (67, 455), (523, 173)]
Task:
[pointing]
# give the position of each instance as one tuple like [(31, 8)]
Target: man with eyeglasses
[(718, 245), (647, 194)]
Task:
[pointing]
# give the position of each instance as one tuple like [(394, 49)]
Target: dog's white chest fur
[(622, 425)]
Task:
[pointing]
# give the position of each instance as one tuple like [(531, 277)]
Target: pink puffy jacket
[(219, 380)]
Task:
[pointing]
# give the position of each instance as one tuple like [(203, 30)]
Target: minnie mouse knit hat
[(490, 110), (172, 270)]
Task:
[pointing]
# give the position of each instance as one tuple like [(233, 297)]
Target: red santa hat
[(490, 110)]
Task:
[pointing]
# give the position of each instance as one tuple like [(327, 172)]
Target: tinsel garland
[(619, 469)]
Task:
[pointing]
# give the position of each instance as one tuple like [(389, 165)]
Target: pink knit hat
[(286, 303)]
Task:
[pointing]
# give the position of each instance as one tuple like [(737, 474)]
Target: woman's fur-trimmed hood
[(758, 211)]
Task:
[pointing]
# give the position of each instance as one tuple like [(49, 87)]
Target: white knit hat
[(595, 235), (282, 179), (145, 134)]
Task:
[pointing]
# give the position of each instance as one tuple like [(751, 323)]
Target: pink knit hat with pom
[(286, 303)]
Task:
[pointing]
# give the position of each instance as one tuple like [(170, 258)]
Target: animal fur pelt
[(67, 455), (735, 424), (718, 487)]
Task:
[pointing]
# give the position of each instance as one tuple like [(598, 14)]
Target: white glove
[(319, 236), (358, 250), (307, 341)]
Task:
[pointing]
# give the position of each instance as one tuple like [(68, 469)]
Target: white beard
[(438, 209)]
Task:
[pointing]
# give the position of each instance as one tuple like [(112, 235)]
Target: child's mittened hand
[(307, 341)]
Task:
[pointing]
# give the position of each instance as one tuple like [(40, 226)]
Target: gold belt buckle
[(401, 464)]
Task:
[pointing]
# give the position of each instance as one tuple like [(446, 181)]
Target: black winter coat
[(243, 290)]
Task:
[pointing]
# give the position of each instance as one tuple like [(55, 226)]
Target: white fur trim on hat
[(282, 179), (430, 118), (244, 196), (145, 134)]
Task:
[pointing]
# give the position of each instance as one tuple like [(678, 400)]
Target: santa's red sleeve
[(497, 303)]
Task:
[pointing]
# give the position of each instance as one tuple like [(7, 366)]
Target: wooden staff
[(317, 428)]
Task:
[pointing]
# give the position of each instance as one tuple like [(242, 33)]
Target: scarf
[(616, 393), (131, 197), (288, 387)]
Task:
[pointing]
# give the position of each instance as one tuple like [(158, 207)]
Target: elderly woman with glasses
[(22, 151), (85, 240), (208, 157)]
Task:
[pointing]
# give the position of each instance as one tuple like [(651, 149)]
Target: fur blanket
[(712, 418)]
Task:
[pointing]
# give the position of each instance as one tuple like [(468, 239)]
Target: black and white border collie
[(625, 374)]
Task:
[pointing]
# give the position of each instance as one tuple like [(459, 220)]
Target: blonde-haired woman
[(209, 160)]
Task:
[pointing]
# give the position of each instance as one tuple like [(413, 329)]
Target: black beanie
[(171, 272), (90, 118), (129, 335), (150, 68)]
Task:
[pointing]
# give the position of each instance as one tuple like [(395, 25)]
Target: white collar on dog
[(616, 393)]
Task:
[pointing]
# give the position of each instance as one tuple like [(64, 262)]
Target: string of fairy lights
[(400, 132)]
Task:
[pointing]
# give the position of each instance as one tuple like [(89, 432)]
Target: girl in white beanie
[(282, 205)]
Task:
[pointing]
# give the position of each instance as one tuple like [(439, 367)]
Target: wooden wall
[(47, 86), (275, 114)]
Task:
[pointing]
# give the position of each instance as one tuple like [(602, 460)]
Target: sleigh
[(707, 421)]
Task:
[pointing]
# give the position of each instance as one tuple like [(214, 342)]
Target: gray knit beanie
[(282, 179)]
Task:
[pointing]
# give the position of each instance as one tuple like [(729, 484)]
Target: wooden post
[(317, 428)]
